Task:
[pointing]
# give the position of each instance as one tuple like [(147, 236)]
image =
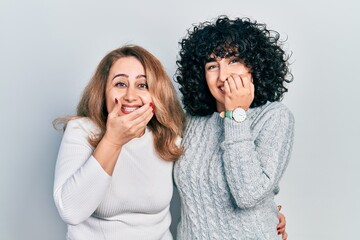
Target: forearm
[(254, 162), (107, 153), (79, 196), (245, 177)]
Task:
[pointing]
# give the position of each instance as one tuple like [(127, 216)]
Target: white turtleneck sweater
[(133, 203)]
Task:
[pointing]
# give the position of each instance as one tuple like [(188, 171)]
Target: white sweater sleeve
[(80, 182)]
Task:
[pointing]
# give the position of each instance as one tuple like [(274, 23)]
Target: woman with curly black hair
[(238, 139)]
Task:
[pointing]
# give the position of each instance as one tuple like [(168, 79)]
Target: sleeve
[(80, 182), (255, 162)]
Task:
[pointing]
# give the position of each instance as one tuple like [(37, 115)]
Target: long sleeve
[(254, 161), (80, 182)]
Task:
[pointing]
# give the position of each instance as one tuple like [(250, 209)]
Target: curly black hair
[(259, 48)]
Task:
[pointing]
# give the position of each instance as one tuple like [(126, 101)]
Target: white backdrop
[(49, 50)]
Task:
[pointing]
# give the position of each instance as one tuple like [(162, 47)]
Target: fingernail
[(278, 233), (151, 105), (279, 207), (116, 101)]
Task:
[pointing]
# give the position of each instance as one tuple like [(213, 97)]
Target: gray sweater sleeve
[(256, 155)]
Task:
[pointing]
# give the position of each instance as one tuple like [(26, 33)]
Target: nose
[(223, 73), (130, 95)]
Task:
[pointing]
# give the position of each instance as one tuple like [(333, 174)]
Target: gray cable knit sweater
[(229, 175)]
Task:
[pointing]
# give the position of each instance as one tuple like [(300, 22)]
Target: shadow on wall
[(175, 211)]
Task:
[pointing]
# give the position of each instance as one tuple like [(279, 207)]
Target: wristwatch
[(238, 114)]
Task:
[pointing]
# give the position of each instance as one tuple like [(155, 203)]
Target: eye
[(120, 84), (143, 86), (210, 67), (235, 60)]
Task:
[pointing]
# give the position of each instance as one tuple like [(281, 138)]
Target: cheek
[(239, 69), (208, 77), (211, 81), (145, 97), (244, 70)]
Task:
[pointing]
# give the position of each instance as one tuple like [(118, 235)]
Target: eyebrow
[(127, 76), (213, 59), (210, 59)]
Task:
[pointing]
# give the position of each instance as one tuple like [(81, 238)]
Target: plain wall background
[(49, 50)]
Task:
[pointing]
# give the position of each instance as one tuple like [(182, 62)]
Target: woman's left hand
[(282, 224)]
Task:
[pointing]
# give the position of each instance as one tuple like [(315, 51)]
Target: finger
[(285, 235), (232, 83), (281, 228), (135, 127), (238, 81), (227, 88), (281, 231), (138, 112), (116, 109), (246, 81), (282, 221), (141, 118), (140, 125)]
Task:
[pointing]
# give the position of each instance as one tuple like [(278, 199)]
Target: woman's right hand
[(121, 129)]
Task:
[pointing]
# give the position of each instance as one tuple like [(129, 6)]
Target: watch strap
[(228, 114)]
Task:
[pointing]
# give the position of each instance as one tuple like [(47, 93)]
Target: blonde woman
[(113, 177)]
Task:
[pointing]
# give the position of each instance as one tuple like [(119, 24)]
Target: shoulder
[(197, 123), (273, 109), (194, 125), (197, 120), (280, 109), (276, 112), (84, 125)]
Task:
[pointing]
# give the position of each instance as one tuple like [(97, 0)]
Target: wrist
[(111, 142), (107, 153), (238, 114)]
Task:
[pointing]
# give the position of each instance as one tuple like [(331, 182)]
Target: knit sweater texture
[(133, 203), (229, 175)]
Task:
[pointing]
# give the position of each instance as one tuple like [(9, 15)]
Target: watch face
[(239, 114)]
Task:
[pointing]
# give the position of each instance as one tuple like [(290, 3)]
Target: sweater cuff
[(237, 131)]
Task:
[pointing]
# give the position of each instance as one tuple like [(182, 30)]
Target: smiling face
[(127, 83), (217, 70)]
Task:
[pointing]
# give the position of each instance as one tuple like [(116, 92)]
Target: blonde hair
[(168, 123)]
